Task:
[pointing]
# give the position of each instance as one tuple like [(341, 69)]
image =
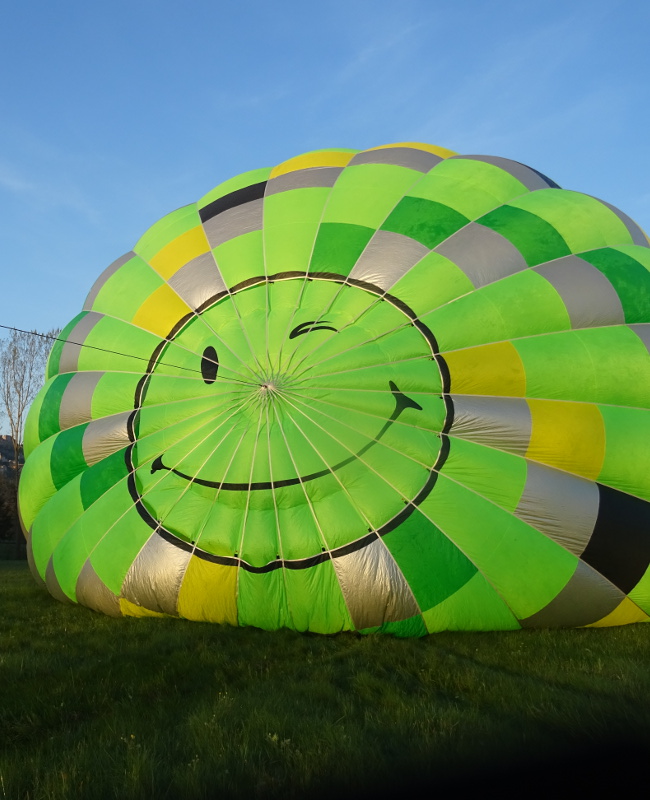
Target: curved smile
[(402, 402)]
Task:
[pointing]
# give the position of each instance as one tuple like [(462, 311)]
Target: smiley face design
[(297, 416)]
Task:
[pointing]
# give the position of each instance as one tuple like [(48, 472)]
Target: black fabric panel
[(237, 198), (619, 547)]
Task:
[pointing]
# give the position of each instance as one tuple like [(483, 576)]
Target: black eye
[(312, 325), (209, 365)]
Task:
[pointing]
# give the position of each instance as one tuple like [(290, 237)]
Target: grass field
[(98, 707)]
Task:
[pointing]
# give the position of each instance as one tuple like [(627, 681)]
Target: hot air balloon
[(396, 390)]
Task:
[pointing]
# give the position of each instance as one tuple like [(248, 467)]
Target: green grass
[(161, 708)]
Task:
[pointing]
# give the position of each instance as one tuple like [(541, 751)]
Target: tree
[(23, 357)]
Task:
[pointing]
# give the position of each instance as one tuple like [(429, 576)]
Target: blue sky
[(114, 114)]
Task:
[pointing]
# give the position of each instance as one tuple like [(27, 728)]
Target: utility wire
[(93, 347)]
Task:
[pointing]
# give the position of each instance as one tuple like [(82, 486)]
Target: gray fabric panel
[(53, 584), (483, 254), (373, 586), (642, 330), (638, 236), (419, 160), (76, 403), (198, 280), (521, 172), (586, 598), (589, 297), (106, 274), (562, 506), (504, 423), (154, 579), (303, 179), (105, 436), (93, 593), (69, 361), (386, 258), (234, 222), (30, 560)]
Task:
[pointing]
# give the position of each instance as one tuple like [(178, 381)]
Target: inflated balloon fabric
[(399, 390)]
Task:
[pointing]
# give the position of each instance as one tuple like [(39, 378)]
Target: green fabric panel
[(48, 419), (525, 567), (432, 282), (522, 304), (67, 458), (36, 486), (121, 347), (53, 522), (630, 277), (411, 627), (262, 600), (432, 565), (291, 221), (475, 606), (627, 458), (315, 600), (597, 365), (114, 553), (581, 220), (127, 289), (101, 476), (535, 239), (495, 475), (641, 593), (166, 230), (31, 439), (338, 247), (365, 194), (240, 258), (426, 221), (470, 187), (115, 392), (249, 178), (55, 353)]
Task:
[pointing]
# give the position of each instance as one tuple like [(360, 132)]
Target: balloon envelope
[(399, 390)]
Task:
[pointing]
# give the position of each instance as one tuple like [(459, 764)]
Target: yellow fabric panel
[(179, 251), (209, 592), (161, 311), (625, 613), (491, 369), (428, 148), (569, 436), (130, 609), (322, 158)]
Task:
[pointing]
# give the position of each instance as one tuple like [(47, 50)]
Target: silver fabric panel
[(93, 593), (198, 280), (642, 330), (636, 232), (70, 353), (373, 586), (154, 579), (504, 423), (53, 584), (586, 598), (303, 179), (483, 254), (386, 258), (562, 506), (234, 222), (106, 274), (521, 172), (409, 157), (105, 436), (76, 402), (589, 297)]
